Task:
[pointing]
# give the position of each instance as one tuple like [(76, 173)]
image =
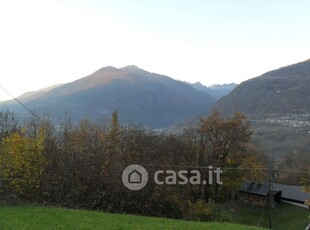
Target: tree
[(113, 143), (8, 123), (223, 143), (222, 138), (21, 165)]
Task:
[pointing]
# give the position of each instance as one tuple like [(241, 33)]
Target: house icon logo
[(135, 177)]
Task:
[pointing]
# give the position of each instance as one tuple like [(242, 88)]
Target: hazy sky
[(46, 42)]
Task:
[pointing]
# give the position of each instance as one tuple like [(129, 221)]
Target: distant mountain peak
[(215, 91), (228, 85), (198, 83), (106, 69), (131, 67), (112, 69)]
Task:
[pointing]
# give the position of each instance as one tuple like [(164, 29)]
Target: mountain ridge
[(284, 90), (140, 97)]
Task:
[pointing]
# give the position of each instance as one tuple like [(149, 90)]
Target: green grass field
[(36, 217), (285, 216)]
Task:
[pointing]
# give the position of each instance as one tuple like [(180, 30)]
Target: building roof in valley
[(291, 193), (255, 188)]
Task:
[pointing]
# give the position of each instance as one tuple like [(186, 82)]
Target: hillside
[(277, 103), (278, 92), (139, 96), (29, 96)]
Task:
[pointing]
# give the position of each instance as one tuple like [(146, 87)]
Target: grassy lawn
[(285, 216), (37, 217)]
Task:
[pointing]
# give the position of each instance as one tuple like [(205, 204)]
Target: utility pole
[(269, 194)]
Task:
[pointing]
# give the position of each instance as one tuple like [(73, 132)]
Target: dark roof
[(291, 193), (255, 188)]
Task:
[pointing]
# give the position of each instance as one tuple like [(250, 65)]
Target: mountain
[(282, 91), (278, 106), (29, 96), (139, 96), (215, 91)]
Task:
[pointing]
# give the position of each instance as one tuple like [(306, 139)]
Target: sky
[(47, 42)]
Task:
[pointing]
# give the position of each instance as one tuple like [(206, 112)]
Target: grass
[(285, 216), (37, 217)]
